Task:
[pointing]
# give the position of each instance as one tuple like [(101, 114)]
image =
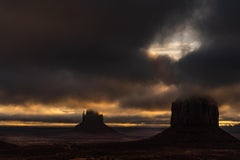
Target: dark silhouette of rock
[(194, 122), (92, 122), (195, 112)]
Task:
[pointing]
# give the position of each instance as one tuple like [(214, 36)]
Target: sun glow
[(176, 46), (58, 124), (16, 115), (228, 123), (35, 124)]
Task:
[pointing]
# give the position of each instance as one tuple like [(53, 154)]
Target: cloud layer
[(97, 51), (83, 49)]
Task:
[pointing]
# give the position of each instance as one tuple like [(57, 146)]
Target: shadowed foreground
[(119, 151)]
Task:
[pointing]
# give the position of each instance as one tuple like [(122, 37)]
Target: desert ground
[(49, 143)]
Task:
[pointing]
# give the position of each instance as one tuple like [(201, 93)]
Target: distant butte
[(194, 122), (92, 122)]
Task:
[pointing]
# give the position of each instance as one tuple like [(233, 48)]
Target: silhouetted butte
[(92, 122), (195, 112), (194, 122)]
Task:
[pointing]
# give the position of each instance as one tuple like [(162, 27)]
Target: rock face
[(194, 123), (195, 112), (92, 122)]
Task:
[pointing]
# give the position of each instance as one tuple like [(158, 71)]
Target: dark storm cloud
[(213, 66), (217, 62), (220, 22), (149, 100), (87, 50), (96, 51), (45, 87)]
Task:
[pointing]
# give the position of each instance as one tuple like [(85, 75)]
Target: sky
[(127, 59)]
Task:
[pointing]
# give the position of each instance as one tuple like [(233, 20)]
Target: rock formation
[(195, 112), (92, 122), (194, 122)]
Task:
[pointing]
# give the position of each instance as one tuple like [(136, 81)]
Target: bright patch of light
[(228, 123), (178, 45), (137, 125), (34, 123), (58, 124)]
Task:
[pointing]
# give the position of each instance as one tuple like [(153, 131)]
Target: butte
[(194, 122), (92, 122)]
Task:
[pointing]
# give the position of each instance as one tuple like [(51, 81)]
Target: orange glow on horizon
[(57, 124), (108, 109)]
